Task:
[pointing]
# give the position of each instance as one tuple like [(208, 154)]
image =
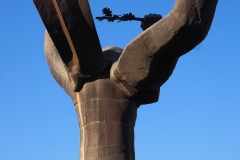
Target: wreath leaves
[(112, 17), (107, 12)]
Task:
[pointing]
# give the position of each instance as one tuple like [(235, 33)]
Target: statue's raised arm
[(71, 28), (148, 61)]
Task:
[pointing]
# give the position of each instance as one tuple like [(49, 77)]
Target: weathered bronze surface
[(107, 86)]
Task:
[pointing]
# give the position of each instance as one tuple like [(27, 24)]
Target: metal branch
[(111, 19)]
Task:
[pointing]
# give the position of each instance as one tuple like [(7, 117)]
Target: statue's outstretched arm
[(72, 30), (148, 61)]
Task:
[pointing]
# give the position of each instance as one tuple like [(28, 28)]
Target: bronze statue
[(108, 85)]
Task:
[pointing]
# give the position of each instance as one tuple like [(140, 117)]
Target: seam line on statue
[(90, 98), (96, 147), (99, 122), (64, 27)]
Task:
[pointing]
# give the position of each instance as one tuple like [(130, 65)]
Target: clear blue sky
[(196, 118)]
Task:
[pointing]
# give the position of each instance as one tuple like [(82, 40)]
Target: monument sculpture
[(108, 85)]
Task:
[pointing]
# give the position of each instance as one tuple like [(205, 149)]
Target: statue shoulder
[(56, 65)]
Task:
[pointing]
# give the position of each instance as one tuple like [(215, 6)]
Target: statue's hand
[(150, 20)]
